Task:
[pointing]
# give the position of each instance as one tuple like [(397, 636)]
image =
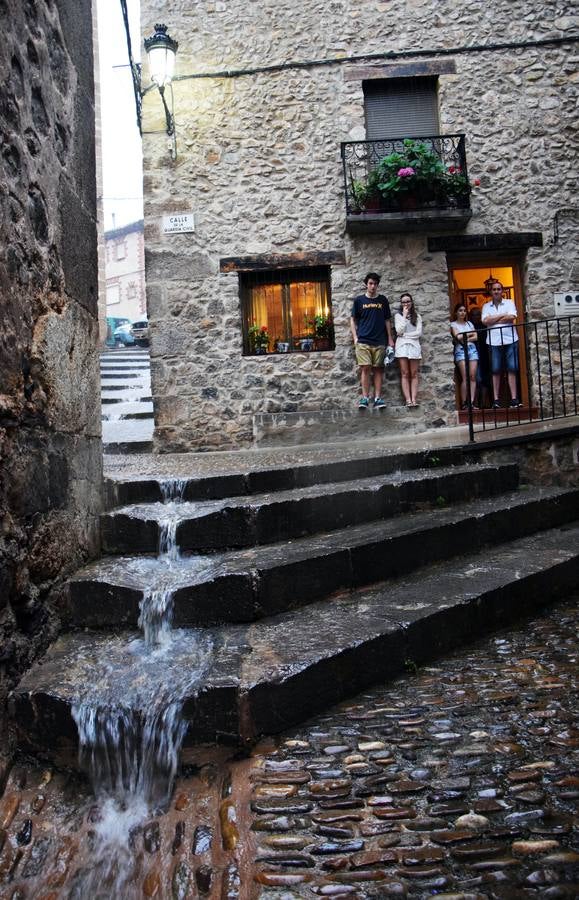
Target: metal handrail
[(550, 347)]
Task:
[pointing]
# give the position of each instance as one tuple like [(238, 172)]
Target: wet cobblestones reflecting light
[(458, 780)]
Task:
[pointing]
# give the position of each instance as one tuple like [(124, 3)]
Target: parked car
[(114, 322), (123, 335), (140, 332)]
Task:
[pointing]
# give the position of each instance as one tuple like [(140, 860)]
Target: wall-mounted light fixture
[(161, 51)]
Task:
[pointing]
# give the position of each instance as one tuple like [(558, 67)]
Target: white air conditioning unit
[(567, 303)]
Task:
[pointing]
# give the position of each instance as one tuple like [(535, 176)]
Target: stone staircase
[(295, 587), (126, 401)]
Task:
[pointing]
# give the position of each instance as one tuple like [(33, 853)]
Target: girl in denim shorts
[(460, 326)]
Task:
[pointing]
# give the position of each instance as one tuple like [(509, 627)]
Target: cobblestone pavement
[(458, 780)]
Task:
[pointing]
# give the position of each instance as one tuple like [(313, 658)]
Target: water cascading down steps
[(227, 607)]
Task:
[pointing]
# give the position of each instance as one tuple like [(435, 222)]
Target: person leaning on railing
[(460, 326), (499, 316)]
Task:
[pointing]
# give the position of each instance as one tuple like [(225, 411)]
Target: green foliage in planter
[(363, 191), (454, 186), (416, 169), (322, 326), (258, 337)]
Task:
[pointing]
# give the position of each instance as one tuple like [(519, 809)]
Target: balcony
[(406, 184)]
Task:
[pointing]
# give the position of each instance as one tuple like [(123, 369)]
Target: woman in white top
[(460, 326), (408, 326)]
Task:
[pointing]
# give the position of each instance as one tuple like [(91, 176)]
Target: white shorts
[(407, 350)]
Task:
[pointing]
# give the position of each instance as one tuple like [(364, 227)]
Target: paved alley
[(126, 402), (458, 780)]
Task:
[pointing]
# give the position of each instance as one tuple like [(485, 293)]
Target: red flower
[(476, 182), (263, 329)]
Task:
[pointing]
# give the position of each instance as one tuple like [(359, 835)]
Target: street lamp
[(161, 51)]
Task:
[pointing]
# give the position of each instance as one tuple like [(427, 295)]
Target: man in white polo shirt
[(499, 315)]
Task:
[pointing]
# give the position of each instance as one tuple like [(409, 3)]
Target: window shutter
[(400, 107)]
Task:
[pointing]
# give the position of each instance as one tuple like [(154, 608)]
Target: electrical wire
[(387, 55), (135, 67)]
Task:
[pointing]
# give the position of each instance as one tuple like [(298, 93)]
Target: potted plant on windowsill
[(323, 329), (258, 339)]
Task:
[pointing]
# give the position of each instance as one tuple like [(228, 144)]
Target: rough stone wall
[(50, 480), (547, 461), (259, 164)]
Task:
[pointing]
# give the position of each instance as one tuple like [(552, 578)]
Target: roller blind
[(400, 107)]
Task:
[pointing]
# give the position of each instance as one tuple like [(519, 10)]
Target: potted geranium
[(323, 329), (258, 339), (454, 187)]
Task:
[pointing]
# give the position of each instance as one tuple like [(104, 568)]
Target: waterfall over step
[(130, 736), (156, 607), (293, 582), (156, 614)]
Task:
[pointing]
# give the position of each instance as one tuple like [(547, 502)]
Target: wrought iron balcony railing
[(405, 174)]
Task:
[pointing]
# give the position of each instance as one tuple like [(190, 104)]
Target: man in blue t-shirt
[(371, 328)]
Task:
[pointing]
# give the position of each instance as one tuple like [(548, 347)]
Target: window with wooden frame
[(286, 310)]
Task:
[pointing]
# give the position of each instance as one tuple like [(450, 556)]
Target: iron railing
[(546, 378), (361, 163)]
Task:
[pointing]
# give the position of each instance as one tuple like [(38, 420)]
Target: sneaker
[(378, 403), (515, 403), (497, 404), (364, 403)]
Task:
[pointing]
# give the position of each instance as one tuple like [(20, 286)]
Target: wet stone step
[(123, 490), (236, 682), (129, 415), (64, 814), (127, 408), (242, 586), (133, 365), (131, 372), (129, 446), (266, 518), (115, 398), (125, 431)]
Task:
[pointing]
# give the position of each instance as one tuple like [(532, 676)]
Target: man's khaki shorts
[(367, 355)]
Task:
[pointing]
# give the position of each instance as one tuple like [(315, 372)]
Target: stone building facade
[(50, 483), (125, 271), (277, 88)]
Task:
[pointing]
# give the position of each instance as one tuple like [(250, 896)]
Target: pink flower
[(476, 182), (403, 173)]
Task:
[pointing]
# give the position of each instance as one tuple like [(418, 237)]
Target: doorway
[(469, 284)]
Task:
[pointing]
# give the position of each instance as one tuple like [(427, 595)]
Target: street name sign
[(178, 223)]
